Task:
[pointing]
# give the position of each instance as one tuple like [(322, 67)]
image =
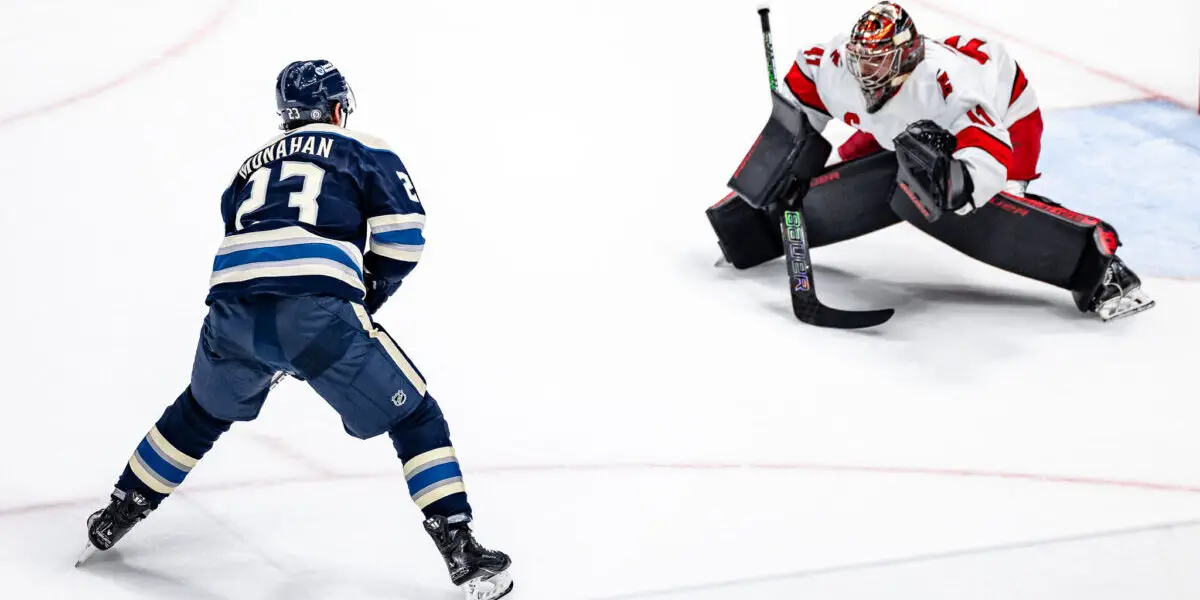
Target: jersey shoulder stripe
[(977, 137), (805, 89), (367, 141), (1019, 85)]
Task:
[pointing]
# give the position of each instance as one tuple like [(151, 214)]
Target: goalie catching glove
[(929, 175)]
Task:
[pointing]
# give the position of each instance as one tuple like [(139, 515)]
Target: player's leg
[(361, 371), (1036, 238), (227, 385)]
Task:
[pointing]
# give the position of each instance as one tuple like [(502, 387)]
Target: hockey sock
[(179, 439), (422, 442)]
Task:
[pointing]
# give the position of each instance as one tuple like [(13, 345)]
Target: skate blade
[(489, 588), (1128, 305), (87, 553)]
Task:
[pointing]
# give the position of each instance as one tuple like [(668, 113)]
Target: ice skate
[(1120, 294), (109, 524), (481, 573)]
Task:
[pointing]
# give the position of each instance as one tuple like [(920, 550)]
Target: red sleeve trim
[(859, 145), (1026, 137), (1019, 85), (975, 137), (804, 89)]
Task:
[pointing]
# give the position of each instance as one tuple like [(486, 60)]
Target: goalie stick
[(802, 286)]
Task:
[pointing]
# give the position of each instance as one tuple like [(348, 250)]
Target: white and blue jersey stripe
[(303, 209), (287, 252), (398, 237)]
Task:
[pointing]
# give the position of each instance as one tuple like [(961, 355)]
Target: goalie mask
[(883, 50)]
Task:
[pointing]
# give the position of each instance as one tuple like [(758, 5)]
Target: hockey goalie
[(948, 138)]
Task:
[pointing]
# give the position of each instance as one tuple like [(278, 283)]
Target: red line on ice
[(1097, 71), (99, 498), (171, 53)]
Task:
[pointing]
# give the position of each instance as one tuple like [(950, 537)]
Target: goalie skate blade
[(491, 588), (1119, 308), (87, 553)]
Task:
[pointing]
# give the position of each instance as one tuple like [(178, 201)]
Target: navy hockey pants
[(328, 342), (333, 345)]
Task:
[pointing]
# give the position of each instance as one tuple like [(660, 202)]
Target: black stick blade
[(805, 304), (826, 316)]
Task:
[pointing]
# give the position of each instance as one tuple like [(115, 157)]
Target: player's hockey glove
[(929, 175), (378, 291)]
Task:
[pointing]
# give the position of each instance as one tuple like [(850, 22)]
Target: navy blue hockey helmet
[(306, 91)]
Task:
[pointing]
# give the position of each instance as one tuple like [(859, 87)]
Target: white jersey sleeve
[(1005, 81), (801, 88), (972, 113), (984, 146)]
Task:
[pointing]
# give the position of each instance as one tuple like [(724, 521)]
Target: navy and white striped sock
[(174, 445)]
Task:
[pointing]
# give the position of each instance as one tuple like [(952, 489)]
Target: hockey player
[(292, 291), (949, 134)]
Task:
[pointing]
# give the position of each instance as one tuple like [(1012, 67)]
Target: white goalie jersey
[(969, 86)]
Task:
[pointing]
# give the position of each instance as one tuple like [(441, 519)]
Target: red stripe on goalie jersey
[(1019, 85), (804, 89), (975, 137), (1026, 136)]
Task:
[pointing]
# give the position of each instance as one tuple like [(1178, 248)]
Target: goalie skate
[(1121, 294)]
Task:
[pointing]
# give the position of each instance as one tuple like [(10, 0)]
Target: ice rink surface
[(633, 422)]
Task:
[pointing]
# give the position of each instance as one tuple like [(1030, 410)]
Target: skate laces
[(129, 510), (1111, 279)]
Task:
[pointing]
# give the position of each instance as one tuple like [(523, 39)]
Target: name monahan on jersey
[(314, 209)]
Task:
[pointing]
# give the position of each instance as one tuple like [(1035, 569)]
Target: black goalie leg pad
[(1097, 257), (747, 235), (845, 201), (1028, 236), (851, 199)]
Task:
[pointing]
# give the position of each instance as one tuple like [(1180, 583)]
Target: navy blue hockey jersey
[(301, 211)]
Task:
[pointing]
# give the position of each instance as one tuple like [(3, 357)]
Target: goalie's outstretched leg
[(1038, 238)]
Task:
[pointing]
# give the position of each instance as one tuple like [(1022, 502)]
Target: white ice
[(634, 423)]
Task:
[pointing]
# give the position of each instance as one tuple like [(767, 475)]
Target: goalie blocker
[(1030, 236), (779, 167)]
